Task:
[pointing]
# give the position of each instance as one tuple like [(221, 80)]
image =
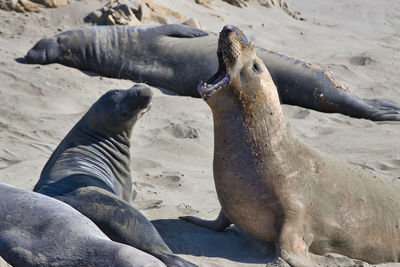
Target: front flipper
[(218, 224), (383, 109), (178, 31), (292, 248)]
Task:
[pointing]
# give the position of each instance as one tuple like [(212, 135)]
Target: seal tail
[(45, 51)]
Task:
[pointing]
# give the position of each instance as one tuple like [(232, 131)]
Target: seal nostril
[(227, 29), (230, 28), (144, 92), (244, 39)]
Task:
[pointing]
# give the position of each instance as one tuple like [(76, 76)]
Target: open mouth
[(230, 43), (219, 79)]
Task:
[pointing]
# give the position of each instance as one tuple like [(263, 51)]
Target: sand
[(172, 145)]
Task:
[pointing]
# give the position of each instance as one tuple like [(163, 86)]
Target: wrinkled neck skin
[(87, 158), (252, 128)]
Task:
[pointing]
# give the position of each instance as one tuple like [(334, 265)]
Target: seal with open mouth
[(279, 190)]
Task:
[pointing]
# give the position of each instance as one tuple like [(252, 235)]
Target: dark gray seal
[(177, 57), (90, 170), (39, 231), (279, 190)]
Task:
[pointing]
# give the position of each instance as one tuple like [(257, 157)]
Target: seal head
[(96, 150), (231, 44), (117, 110)]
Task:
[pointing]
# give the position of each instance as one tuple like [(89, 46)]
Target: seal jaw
[(230, 44), (219, 80)]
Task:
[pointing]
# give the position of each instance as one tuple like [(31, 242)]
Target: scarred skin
[(90, 170), (177, 57), (39, 231), (279, 190)]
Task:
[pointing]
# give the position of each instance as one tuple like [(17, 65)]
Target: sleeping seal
[(177, 57), (90, 170), (39, 231), (279, 190)]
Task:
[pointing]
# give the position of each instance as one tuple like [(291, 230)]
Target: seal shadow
[(232, 244), (21, 60)]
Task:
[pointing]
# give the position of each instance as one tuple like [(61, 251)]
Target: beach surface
[(172, 145)]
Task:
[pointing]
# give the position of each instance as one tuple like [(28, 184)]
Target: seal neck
[(86, 153), (115, 155), (263, 119), (252, 129), (257, 119)]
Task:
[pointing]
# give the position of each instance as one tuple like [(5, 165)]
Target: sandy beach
[(172, 144)]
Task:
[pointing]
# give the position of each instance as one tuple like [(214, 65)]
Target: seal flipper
[(45, 51), (383, 104), (127, 225), (218, 224), (383, 109), (178, 31)]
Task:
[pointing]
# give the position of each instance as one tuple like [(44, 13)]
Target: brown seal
[(279, 190)]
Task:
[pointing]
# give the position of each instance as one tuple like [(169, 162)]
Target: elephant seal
[(177, 57), (36, 230), (90, 170), (279, 190)]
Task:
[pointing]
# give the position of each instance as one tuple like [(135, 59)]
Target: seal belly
[(242, 191), (255, 216)]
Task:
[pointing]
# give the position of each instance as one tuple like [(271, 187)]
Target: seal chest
[(245, 139), (239, 178)]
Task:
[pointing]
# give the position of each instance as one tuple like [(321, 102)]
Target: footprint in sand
[(389, 165), (182, 131), (169, 179)]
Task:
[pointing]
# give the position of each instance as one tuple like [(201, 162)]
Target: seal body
[(279, 190), (177, 57), (36, 230), (90, 170)]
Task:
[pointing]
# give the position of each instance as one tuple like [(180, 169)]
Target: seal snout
[(45, 51), (230, 44), (230, 28), (141, 95)]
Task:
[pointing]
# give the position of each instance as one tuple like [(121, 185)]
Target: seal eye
[(256, 67)]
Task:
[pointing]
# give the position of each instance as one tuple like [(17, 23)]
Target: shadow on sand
[(232, 244)]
